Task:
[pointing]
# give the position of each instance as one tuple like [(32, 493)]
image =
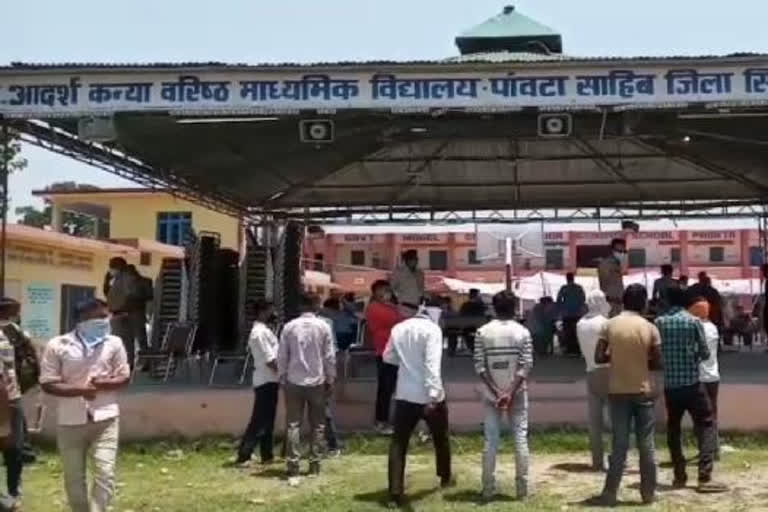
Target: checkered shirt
[(683, 347)]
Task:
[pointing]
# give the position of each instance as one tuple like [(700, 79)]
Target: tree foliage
[(10, 151), (72, 223)]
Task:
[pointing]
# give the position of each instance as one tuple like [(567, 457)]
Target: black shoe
[(649, 499), (710, 487), (447, 482), (292, 470), (602, 501), (314, 469), (396, 501), (679, 483)]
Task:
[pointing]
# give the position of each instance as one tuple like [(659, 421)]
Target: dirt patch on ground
[(568, 479)]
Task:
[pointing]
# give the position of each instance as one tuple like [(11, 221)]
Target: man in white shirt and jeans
[(262, 344), (588, 332), (306, 363), (84, 369), (416, 347), (503, 360)]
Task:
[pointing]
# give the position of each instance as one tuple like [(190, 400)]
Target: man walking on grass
[(503, 360), (306, 363), (84, 369), (630, 343), (416, 347), (684, 348)]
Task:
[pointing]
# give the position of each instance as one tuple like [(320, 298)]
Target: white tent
[(547, 283)]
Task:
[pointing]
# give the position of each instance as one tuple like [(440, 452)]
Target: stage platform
[(189, 409)]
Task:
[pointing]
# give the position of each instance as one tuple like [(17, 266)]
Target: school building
[(357, 259), (49, 271)]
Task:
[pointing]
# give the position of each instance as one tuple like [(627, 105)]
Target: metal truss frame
[(111, 160), (103, 157), (679, 210)]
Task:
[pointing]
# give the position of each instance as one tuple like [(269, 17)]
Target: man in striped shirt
[(503, 359)]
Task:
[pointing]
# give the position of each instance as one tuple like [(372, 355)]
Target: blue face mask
[(94, 332)]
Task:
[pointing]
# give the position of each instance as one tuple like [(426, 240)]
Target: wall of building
[(725, 254), (36, 273), (134, 215)]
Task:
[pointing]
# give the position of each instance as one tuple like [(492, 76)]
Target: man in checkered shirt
[(683, 348)]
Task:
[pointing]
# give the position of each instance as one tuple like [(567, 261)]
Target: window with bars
[(172, 227)]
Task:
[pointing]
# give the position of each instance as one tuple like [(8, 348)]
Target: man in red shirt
[(380, 317)]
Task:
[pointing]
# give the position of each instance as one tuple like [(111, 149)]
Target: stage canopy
[(517, 127)]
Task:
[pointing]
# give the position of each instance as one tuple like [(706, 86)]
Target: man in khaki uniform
[(610, 273)]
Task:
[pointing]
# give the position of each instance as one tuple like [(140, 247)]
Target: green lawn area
[(191, 477)]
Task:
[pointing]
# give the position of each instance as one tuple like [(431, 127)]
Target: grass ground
[(191, 477)]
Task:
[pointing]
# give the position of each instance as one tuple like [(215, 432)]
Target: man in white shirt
[(84, 369), (588, 332), (262, 344), (408, 280), (416, 347), (503, 360), (306, 364), (709, 369)]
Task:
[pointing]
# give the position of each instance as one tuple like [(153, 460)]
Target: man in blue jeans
[(630, 343)]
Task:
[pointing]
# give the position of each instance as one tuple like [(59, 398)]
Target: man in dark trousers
[(262, 344), (138, 310), (473, 308), (683, 348), (416, 348), (120, 289), (572, 304)]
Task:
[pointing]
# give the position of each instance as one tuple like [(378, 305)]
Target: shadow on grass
[(590, 503), (659, 487), (575, 467), (382, 498), (476, 498)]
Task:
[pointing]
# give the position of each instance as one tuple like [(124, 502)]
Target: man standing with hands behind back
[(503, 360), (84, 369)]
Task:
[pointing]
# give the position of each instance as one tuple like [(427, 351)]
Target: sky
[(254, 31)]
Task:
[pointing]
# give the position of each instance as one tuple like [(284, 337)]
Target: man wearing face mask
[(84, 369), (610, 273)]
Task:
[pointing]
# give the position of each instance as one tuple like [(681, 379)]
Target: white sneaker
[(383, 429)]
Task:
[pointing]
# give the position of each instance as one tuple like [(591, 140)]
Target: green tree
[(72, 223), (10, 150)]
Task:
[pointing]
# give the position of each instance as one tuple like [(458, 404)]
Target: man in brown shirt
[(631, 345), (610, 274)]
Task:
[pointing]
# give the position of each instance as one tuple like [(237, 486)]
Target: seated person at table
[(474, 307), (541, 323), (740, 325)]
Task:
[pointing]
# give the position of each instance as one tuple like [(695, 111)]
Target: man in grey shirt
[(306, 364)]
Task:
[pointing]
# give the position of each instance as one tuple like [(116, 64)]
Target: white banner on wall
[(41, 93), (38, 314)]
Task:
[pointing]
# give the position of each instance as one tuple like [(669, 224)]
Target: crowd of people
[(624, 335)]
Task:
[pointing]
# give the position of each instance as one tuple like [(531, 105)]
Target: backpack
[(26, 361)]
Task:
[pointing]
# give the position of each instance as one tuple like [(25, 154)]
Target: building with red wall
[(356, 259)]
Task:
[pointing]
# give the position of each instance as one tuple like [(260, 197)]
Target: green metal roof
[(509, 23)]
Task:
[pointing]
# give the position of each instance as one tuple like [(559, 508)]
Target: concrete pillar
[(746, 268), (684, 260), (55, 218)]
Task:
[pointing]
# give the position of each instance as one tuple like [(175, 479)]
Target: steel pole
[(4, 214)]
